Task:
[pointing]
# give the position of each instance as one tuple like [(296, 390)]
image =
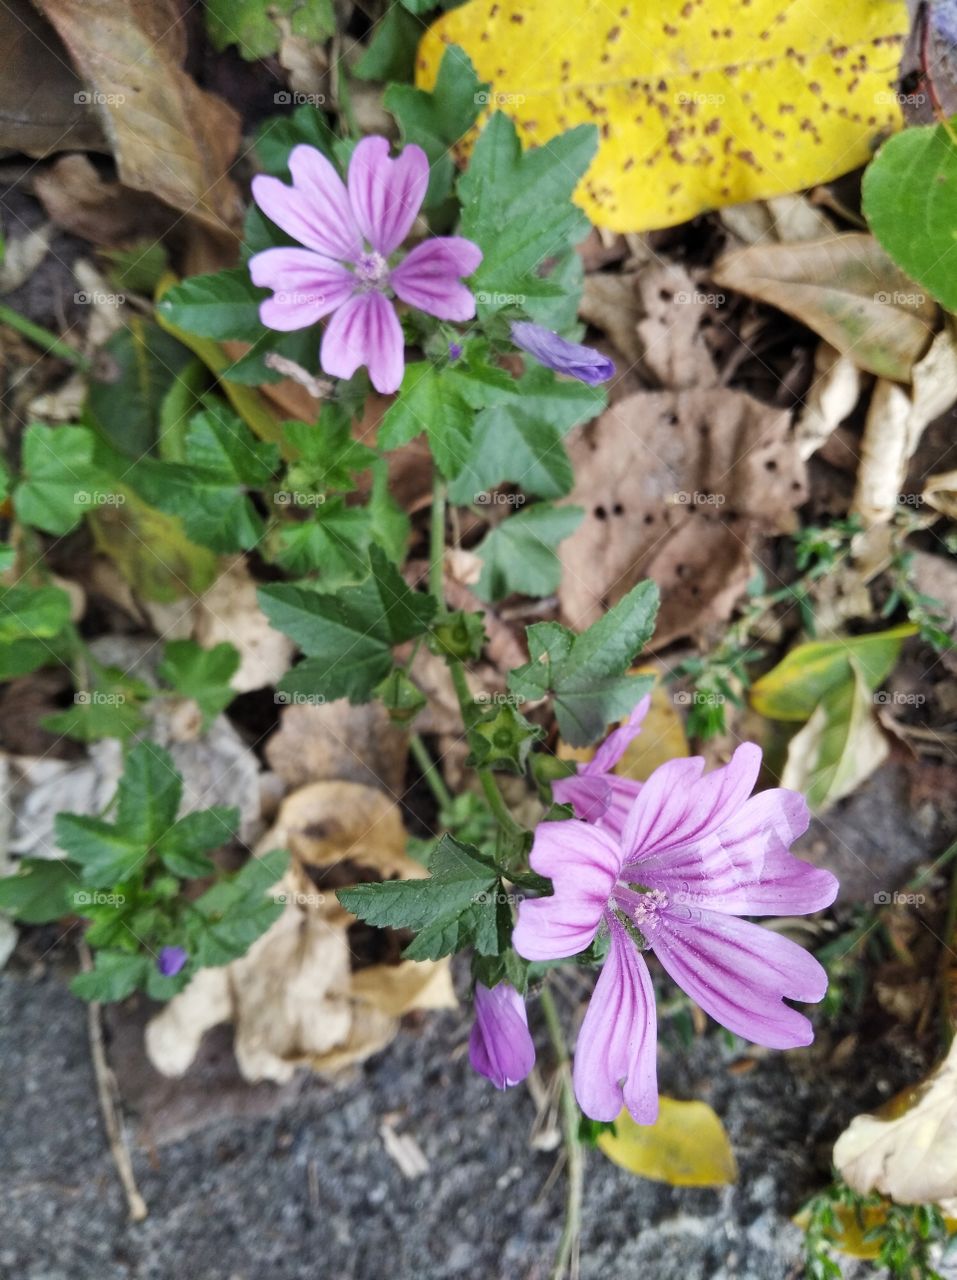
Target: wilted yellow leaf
[(698, 104), (686, 1147)]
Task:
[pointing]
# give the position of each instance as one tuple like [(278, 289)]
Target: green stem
[(48, 342), (574, 1151), (430, 771), (437, 542)]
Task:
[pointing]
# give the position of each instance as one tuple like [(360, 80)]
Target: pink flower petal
[(740, 973), (386, 194), (613, 748), (327, 200), (500, 1046), (428, 278), (365, 330), (292, 210), (615, 1057), (583, 864), (306, 286), (676, 805), (588, 795)]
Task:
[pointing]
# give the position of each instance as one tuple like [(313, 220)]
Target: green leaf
[(348, 636), (114, 976), (182, 848), (138, 366), (231, 915), (792, 689), (36, 613), (436, 120), (60, 476), (277, 136), (326, 455), (333, 542), (112, 709), (912, 184), (456, 905), (103, 852), (209, 492), (223, 305), (518, 439), (40, 890), (518, 555), (516, 205), (586, 673), (253, 25), (201, 674), (391, 51), (149, 793)]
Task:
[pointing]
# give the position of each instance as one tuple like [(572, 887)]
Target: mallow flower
[(500, 1045), (594, 792), (171, 960), (347, 267), (584, 363), (694, 853)]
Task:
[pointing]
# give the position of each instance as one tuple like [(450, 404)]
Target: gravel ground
[(294, 1182)]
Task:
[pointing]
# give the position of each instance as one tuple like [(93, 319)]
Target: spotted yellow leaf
[(699, 103), (686, 1147)]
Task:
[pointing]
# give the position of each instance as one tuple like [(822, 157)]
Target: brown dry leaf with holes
[(168, 136), (847, 290), (307, 994), (336, 740), (672, 335), (677, 486)]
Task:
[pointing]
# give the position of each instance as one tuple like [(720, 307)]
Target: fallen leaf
[(169, 137), (698, 106), (840, 746), (43, 104), (22, 255), (940, 492), (833, 394), (676, 486), (847, 290), (674, 350), (783, 219), (896, 419), (911, 1156), (792, 689), (78, 199), (686, 1147), (336, 740), (229, 610)]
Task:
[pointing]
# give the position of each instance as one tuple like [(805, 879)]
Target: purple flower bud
[(171, 960), (500, 1046), (455, 350), (554, 352)]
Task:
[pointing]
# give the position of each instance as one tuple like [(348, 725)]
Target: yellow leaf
[(687, 1147), (698, 104)]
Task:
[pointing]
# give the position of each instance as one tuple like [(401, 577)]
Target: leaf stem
[(437, 541), (48, 341), (430, 771), (574, 1151)]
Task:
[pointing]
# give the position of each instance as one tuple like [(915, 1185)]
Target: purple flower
[(170, 960), (455, 350), (694, 854), (500, 1046), (346, 269), (594, 792), (583, 363)]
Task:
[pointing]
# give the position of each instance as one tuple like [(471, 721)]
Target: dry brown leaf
[(675, 352), (676, 486), (229, 610), (783, 219), (896, 419), (169, 137), (339, 740), (847, 290), (832, 396), (42, 109), (610, 302), (940, 492), (911, 1157), (106, 213)]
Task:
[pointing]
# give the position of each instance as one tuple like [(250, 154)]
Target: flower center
[(372, 271), (638, 908)]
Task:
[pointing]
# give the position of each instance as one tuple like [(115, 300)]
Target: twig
[(110, 1102), (566, 1259)]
